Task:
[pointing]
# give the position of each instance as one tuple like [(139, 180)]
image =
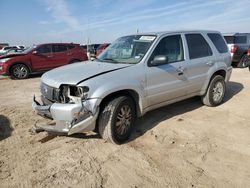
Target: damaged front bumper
[(69, 118)]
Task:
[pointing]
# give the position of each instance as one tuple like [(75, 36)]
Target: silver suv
[(134, 75)]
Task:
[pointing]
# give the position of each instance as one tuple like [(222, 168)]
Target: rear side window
[(59, 48), (172, 47), (218, 42), (70, 46), (197, 46), (236, 39), (240, 39)]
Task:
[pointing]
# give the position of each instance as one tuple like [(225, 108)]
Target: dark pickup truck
[(238, 44)]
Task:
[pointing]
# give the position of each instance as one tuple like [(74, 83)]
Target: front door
[(42, 58), (168, 81)]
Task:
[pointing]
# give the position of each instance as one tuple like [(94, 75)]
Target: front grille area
[(49, 92)]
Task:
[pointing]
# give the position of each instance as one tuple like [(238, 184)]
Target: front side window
[(44, 49), (218, 42), (197, 46), (128, 49), (171, 47)]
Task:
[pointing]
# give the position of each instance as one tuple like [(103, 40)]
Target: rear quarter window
[(71, 46), (197, 46), (59, 48), (218, 42)]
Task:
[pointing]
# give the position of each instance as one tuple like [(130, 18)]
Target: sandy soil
[(181, 145)]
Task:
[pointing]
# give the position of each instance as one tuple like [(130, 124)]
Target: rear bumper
[(69, 118)]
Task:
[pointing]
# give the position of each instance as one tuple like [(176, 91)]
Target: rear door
[(60, 56), (199, 61), (168, 81)]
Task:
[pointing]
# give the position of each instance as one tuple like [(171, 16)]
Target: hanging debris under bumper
[(69, 118)]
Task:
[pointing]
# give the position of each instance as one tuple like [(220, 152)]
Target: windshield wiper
[(109, 59), (98, 59)]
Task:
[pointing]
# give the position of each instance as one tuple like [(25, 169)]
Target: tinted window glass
[(72, 46), (44, 49), (59, 48), (236, 39), (171, 47), (197, 46), (240, 39), (229, 39), (218, 42)]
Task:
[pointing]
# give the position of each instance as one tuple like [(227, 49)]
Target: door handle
[(180, 70), (210, 63)]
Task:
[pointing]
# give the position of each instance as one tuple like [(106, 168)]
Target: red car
[(101, 48), (41, 58)]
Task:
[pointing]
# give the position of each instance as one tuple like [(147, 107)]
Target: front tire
[(215, 92), (116, 120), (19, 71)]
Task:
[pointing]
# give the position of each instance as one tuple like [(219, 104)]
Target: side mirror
[(159, 60), (34, 52)]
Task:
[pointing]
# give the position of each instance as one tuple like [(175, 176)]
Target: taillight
[(248, 51), (234, 48)]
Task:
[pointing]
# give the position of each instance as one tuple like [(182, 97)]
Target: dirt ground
[(181, 145)]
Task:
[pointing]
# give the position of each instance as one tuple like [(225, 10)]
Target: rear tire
[(244, 61), (215, 92), (116, 120), (19, 71)]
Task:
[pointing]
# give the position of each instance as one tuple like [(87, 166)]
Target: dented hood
[(76, 73)]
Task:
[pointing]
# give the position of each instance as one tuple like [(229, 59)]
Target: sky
[(27, 22)]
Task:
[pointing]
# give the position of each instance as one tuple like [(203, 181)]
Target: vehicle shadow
[(5, 127), (35, 75), (153, 118), (233, 88)]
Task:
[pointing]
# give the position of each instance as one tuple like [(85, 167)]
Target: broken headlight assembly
[(73, 94)]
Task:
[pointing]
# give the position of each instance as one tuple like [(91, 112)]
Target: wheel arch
[(222, 72), (19, 62), (124, 92)]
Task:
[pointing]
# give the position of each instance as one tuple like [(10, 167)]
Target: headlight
[(4, 60), (81, 92), (73, 93)]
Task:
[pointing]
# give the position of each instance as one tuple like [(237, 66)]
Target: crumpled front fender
[(69, 118)]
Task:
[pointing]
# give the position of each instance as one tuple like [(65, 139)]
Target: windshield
[(129, 49)]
